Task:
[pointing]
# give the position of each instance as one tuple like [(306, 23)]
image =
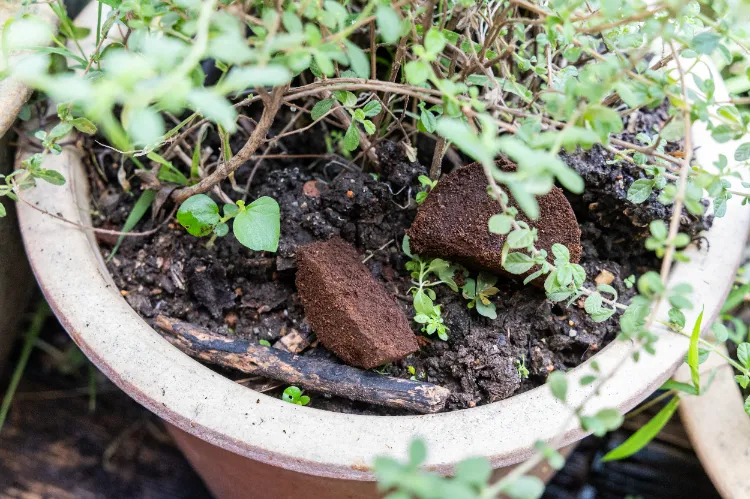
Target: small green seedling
[(348, 101), (427, 313), (427, 186), (432, 322), (265, 343), (479, 293), (256, 226), (413, 372), (293, 395), (523, 372)]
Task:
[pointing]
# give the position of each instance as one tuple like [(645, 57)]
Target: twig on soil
[(311, 374), (272, 105)]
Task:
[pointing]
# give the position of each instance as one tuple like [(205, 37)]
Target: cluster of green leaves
[(658, 242), (470, 479), (255, 226), (479, 292), (32, 167), (427, 186), (427, 312), (523, 371), (359, 115), (293, 395)]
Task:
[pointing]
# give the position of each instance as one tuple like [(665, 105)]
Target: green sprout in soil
[(479, 292), (413, 373), (293, 395), (427, 186), (265, 343), (427, 312), (523, 372), (255, 226)]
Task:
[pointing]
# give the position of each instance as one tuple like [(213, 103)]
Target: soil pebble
[(351, 313), (452, 222)]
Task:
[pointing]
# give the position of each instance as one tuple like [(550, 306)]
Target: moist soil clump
[(252, 295), (351, 313), (460, 234)]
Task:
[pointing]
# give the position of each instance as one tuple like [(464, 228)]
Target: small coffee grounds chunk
[(351, 313), (452, 222)]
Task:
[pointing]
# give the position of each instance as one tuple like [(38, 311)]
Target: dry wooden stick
[(311, 374)]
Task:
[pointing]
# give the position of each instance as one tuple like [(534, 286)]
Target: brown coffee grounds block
[(452, 222), (351, 313)]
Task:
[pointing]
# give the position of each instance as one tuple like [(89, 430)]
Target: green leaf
[(561, 253), (372, 108), (524, 487), (321, 108), (474, 471), (198, 214), (554, 458), (735, 298), (658, 229), (145, 126), (558, 384), (720, 331), (705, 43), (135, 216), (214, 107), (369, 127), (500, 224), (671, 384), (747, 405), (417, 452), (603, 421), (2, 211), (434, 41), (358, 60), (388, 23), (465, 139), (518, 263), (593, 303), (521, 238), (743, 152), (351, 139), (603, 120), (645, 434), (428, 120), (406, 247), (258, 226), (83, 125), (417, 72), (221, 229), (242, 78), (488, 311), (640, 190), (693, 352), (51, 176), (743, 354)]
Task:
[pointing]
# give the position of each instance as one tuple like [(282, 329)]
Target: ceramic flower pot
[(247, 444)]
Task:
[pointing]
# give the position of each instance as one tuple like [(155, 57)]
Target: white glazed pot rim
[(182, 391)]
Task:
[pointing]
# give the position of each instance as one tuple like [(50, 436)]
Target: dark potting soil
[(230, 289)]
